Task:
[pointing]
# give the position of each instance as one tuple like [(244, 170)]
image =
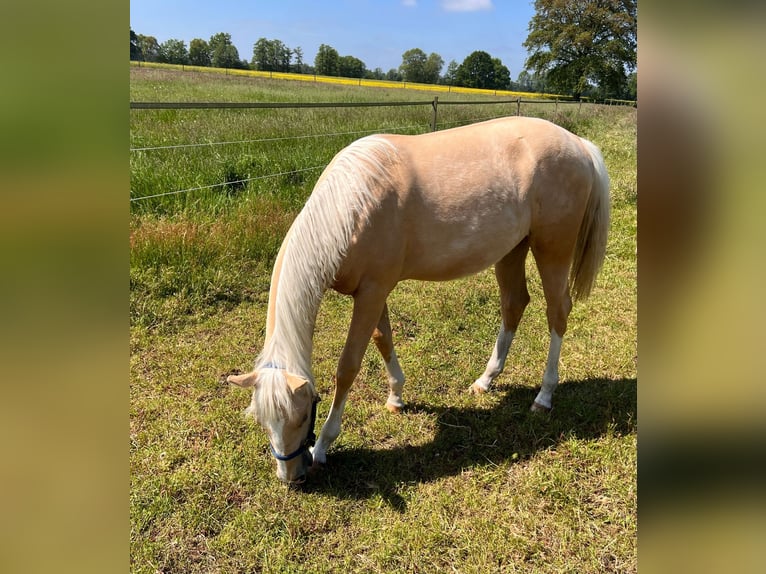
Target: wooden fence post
[(518, 106), (434, 105)]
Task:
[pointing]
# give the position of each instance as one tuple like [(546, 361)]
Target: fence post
[(556, 108), (434, 105), (518, 106)]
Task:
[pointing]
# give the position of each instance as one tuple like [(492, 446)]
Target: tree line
[(577, 48), (478, 70)]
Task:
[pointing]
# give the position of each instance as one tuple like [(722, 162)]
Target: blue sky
[(377, 32)]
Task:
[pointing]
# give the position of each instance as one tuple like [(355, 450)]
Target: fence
[(435, 103)]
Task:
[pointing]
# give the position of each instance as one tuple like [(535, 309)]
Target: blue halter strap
[(307, 442)]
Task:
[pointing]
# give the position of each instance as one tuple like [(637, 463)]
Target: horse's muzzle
[(299, 481)]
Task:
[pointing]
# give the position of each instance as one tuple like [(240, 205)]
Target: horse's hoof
[(395, 409), (538, 408), (477, 389)]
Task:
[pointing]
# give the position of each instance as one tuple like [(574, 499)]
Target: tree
[(326, 61), (393, 75), (632, 91), (413, 65), (451, 74), (502, 75), (271, 56), (433, 69), (417, 67), (298, 57), (173, 52), (477, 71), (199, 53), (149, 48), (532, 82), (351, 67), (135, 50), (376, 74), (582, 43), (223, 53)]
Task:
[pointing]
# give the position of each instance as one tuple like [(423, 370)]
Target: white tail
[(591, 239)]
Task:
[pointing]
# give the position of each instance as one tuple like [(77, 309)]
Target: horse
[(433, 207)]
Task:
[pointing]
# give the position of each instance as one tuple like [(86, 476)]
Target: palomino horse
[(432, 207)]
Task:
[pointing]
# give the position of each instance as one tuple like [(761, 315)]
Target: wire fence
[(434, 125), (267, 140)]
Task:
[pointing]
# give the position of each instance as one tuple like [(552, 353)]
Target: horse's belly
[(457, 255)]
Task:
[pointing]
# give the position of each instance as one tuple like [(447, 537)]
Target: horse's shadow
[(476, 436)]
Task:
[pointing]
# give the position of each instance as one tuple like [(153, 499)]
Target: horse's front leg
[(368, 307)]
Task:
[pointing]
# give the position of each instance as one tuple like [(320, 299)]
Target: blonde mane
[(316, 244)]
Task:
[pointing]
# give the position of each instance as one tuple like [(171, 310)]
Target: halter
[(307, 442)]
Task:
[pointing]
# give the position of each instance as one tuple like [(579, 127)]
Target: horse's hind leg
[(385, 344), (514, 297), (553, 272)]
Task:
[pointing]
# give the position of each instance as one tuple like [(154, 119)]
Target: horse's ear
[(245, 381), (295, 382)]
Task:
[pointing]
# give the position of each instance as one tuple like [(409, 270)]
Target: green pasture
[(457, 483)]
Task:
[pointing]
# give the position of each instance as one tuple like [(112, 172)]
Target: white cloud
[(409, 3), (466, 5)]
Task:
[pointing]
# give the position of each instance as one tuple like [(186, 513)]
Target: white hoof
[(478, 388), (319, 457)]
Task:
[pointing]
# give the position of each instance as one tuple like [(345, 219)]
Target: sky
[(377, 32)]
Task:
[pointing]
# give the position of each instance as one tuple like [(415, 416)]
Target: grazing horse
[(432, 207)]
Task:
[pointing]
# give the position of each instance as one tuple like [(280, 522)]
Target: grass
[(456, 483), (350, 81)]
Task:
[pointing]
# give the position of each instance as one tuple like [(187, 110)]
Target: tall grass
[(457, 482)]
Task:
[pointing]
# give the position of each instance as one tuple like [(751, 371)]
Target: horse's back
[(459, 200), (473, 193)]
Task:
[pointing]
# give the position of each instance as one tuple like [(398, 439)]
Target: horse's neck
[(312, 252), (297, 286)]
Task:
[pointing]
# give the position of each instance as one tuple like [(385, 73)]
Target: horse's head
[(285, 406)]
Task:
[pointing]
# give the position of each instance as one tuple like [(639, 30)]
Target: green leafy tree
[(351, 67), (433, 69), (135, 51), (533, 82), (173, 52), (271, 56), (326, 61), (199, 53), (477, 71), (223, 53), (632, 91), (393, 75), (376, 74), (450, 75), (149, 48), (524, 81), (298, 66), (413, 65), (578, 44), (416, 66), (502, 75)]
